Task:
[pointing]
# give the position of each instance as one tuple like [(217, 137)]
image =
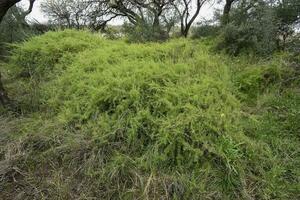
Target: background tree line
[(152, 20)]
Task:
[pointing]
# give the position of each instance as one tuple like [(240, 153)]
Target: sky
[(206, 12)]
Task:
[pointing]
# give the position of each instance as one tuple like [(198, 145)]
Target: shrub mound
[(139, 121)]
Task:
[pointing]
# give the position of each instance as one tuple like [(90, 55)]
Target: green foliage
[(151, 104), (13, 28), (41, 58), (253, 81), (148, 121), (113, 33), (144, 32), (235, 39), (288, 11), (293, 47), (275, 122), (250, 30), (205, 30), (41, 55), (259, 27)]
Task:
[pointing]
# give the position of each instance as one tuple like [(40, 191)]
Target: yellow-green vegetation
[(104, 119)]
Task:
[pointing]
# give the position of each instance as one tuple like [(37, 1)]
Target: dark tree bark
[(5, 5), (187, 18), (226, 11), (191, 21)]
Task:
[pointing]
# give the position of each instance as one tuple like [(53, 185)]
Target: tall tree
[(153, 19), (5, 5), (94, 14), (187, 16), (141, 10)]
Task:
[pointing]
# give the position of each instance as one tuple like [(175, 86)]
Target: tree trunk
[(188, 23), (226, 11), (5, 5), (185, 32)]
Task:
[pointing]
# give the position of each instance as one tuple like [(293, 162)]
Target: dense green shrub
[(235, 39), (113, 33), (252, 81), (205, 30), (129, 121), (253, 31), (40, 55), (43, 57), (161, 103)]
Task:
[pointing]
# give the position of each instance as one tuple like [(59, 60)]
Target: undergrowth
[(108, 120)]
